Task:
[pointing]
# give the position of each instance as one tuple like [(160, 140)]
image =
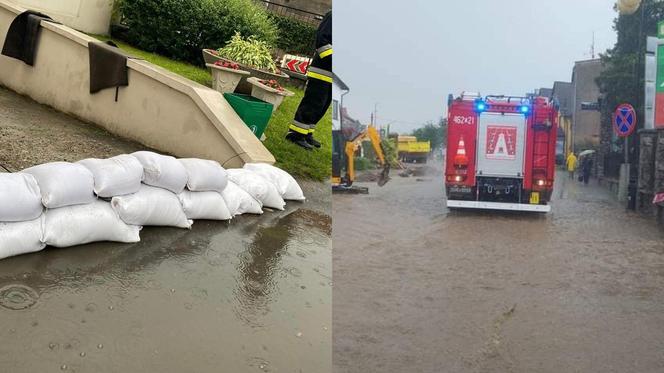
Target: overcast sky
[(407, 56)]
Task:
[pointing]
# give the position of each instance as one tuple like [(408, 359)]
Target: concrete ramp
[(159, 109)]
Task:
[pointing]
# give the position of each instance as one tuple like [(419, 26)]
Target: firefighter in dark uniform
[(318, 93)]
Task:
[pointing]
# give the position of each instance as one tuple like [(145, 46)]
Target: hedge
[(179, 29), (294, 36)]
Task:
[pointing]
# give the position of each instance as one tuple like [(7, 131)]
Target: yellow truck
[(411, 150)]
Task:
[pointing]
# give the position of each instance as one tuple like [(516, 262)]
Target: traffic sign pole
[(624, 123)]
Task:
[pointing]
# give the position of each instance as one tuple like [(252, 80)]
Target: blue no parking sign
[(624, 120)]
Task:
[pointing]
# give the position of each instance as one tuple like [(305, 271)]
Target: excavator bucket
[(381, 154), (384, 175)]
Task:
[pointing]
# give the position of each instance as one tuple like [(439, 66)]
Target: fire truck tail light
[(456, 178), (542, 183)]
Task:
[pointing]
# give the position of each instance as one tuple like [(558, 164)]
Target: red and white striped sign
[(295, 63)]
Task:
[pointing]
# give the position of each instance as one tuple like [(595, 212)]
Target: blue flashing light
[(480, 106), (524, 109)]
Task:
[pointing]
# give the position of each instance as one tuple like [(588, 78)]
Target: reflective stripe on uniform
[(319, 77), (324, 51), (319, 74), (299, 127)]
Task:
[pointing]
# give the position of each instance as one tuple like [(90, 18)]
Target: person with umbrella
[(586, 165)]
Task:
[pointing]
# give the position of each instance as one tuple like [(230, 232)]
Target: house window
[(335, 109)]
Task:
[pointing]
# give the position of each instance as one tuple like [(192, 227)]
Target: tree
[(622, 77), (435, 133)]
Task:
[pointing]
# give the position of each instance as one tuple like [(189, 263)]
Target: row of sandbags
[(65, 204)]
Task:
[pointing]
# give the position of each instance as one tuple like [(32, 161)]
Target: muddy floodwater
[(249, 295), (421, 289)]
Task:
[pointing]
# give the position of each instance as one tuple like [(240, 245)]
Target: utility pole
[(626, 174)]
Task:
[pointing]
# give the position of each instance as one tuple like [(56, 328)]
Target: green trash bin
[(254, 112)]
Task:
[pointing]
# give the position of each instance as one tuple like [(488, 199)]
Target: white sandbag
[(151, 206), (162, 171), (63, 183), (240, 202), (204, 175), (81, 224), (258, 187), (204, 205), (20, 199), (20, 238), (115, 176), (285, 183)]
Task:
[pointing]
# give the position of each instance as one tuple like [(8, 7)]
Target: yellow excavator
[(343, 154)]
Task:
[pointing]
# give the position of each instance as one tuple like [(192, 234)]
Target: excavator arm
[(345, 183), (373, 135), (351, 146)]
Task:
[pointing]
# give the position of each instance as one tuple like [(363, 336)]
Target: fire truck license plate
[(534, 198), (458, 189)]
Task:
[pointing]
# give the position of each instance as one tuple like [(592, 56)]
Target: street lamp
[(627, 6)]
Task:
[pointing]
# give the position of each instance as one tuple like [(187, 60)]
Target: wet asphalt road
[(249, 295), (421, 289)]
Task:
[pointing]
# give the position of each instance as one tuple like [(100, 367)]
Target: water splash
[(18, 297)]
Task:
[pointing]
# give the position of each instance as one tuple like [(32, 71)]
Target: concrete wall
[(159, 109), (586, 124), (91, 16)]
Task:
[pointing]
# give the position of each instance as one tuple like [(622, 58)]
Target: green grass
[(314, 165)]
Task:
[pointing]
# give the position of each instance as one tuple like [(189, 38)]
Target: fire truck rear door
[(501, 145)]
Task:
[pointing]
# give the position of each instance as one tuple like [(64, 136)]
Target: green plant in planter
[(249, 52)]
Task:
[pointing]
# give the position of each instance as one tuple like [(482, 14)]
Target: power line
[(405, 122)]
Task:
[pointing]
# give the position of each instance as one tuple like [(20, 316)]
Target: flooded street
[(249, 295), (253, 293), (421, 289)]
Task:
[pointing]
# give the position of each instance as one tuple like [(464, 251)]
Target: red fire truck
[(501, 152)]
